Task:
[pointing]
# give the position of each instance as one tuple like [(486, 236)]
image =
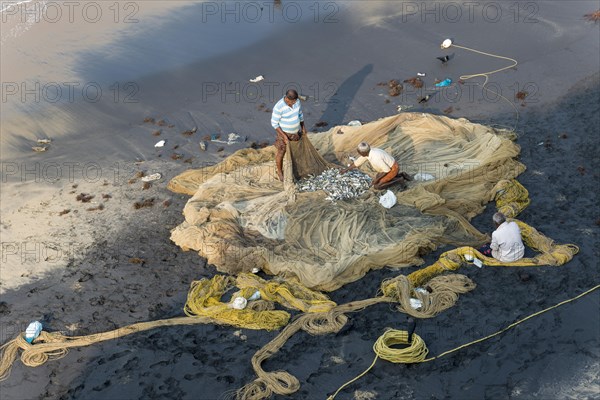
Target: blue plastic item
[(33, 331), (445, 82)]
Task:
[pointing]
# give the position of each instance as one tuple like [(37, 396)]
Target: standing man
[(288, 121), (383, 163)]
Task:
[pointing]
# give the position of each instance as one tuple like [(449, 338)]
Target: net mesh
[(240, 216)]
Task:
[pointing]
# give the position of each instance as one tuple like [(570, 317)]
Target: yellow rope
[(486, 75), (417, 350)]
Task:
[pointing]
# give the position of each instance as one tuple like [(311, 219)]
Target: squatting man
[(384, 164), (506, 245)]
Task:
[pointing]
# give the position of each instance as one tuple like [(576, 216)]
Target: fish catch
[(336, 185)]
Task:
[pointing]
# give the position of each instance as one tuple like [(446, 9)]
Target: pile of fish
[(336, 185)]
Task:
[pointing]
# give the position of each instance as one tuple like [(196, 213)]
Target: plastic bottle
[(33, 331)]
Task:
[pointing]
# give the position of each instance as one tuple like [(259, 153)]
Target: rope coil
[(486, 75), (417, 351)]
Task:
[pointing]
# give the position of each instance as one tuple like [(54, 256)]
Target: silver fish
[(337, 186)]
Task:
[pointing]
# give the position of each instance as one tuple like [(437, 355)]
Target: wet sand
[(88, 283)]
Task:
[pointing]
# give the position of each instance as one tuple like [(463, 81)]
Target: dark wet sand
[(554, 356)]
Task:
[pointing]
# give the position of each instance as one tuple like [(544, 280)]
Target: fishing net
[(240, 216)]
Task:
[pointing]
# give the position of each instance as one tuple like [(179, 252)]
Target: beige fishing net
[(241, 217)]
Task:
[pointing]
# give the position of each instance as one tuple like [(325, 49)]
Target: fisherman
[(506, 245), (383, 163), (288, 121)]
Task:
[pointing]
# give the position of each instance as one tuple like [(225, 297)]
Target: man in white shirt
[(383, 163), (507, 245)]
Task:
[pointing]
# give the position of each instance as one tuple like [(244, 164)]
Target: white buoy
[(446, 43)]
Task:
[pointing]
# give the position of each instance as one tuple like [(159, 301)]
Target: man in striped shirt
[(288, 121)]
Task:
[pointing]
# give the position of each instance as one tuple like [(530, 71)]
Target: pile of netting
[(225, 213), (241, 217)]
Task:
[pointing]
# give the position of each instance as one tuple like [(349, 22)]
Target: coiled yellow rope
[(417, 350)]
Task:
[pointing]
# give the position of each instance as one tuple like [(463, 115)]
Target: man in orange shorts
[(384, 164)]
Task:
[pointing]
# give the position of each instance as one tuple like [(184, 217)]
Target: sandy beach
[(94, 265)]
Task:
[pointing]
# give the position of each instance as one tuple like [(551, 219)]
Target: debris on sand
[(64, 212), (446, 82), (149, 120), (593, 16), (154, 177), (321, 124), (166, 203), (84, 197), (100, 207), (160, 143), (449, 110), (395, 88), (161, 122), (44, 141), (202, 145), (146, 186), (39, 149), (106, 197), (176, 156), (156, 133), (415, 82), (365, 395), (137, 260), (140, 174), (144, 203), (190, 132), (521, 95)]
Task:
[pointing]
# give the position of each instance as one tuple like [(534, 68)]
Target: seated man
[(383, 163), (507, 245)]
